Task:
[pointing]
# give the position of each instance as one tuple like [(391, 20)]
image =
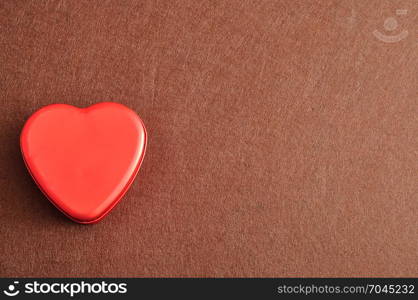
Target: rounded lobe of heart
[(84, 160)]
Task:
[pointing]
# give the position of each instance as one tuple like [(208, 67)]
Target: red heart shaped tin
[(84, 160)]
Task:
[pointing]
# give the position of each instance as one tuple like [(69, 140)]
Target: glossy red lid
[(84, 160)]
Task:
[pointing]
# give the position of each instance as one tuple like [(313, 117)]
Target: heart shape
[(84, 160)]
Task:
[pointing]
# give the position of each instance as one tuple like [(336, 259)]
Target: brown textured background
[(283, 137)]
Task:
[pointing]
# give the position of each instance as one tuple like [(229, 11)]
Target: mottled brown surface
[(283, 137)]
